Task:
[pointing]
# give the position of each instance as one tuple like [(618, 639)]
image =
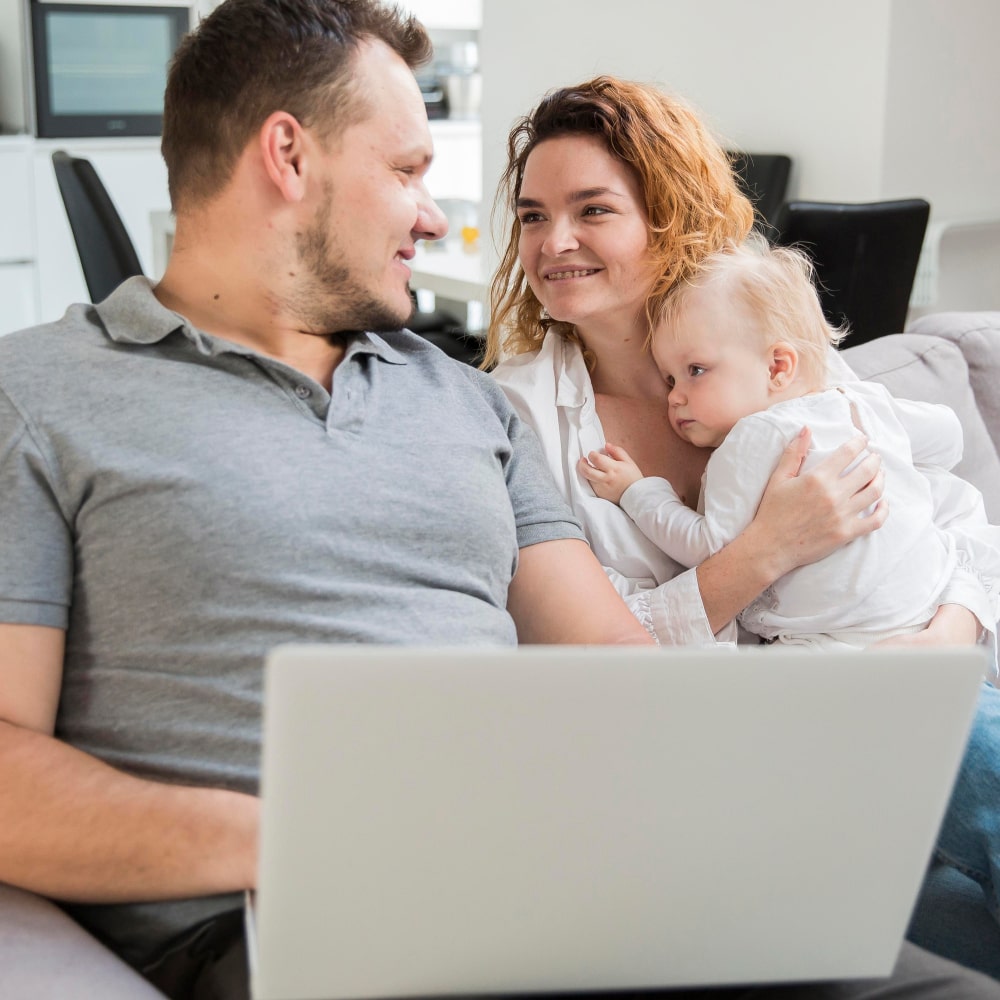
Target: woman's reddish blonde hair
[(693, 203)]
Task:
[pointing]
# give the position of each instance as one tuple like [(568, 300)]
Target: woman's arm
[(952, 625), (801, 518)]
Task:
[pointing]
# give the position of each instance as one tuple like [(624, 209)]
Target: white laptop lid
[(456, 821)]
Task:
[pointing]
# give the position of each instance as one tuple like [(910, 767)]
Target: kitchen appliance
[(100, 69)]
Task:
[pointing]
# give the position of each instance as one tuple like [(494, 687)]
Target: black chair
[(865, 255), (763, 178), (447, 332), (106, 252)]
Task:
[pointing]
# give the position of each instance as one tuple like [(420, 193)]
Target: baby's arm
[(610, 472), (651, 502)]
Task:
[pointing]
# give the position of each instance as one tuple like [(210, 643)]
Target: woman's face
[(584, 235)]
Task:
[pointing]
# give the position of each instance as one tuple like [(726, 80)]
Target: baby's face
[(715, 367)]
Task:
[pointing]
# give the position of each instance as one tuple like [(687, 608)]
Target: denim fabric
[(969, 843)]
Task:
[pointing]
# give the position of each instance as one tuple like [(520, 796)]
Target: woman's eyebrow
[(595, 192), (585, 195)]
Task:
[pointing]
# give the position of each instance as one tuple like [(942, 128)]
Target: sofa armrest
[(46, 955)]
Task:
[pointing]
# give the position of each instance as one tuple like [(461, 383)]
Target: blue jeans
[(949, 919)]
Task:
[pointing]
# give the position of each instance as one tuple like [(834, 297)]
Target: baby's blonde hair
[(776, 286)]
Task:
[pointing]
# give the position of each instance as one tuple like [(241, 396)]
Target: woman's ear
[(783, 365), (282, 148)]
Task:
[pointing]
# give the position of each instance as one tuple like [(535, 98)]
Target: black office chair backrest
[(866, 258), (106, 252), (763, 178)]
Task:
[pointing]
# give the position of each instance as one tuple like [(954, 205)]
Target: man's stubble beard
[(329, 298)]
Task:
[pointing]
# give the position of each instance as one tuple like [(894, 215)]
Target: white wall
[(943, 104), (943, 136), (871, 98)]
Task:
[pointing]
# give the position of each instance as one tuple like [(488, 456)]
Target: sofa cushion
[(978, 335), (915, 366), (46, 955)]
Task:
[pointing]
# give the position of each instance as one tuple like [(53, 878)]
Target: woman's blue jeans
[(969, 843)]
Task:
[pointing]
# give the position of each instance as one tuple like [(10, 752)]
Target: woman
[(618, 193)]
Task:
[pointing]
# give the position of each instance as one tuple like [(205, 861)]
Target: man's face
[(371, 205)]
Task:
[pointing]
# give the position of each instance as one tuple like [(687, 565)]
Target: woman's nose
[(560, 236)]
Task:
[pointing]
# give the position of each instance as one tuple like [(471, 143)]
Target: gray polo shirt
[(181, 505)]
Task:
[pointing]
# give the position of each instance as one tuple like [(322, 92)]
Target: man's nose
[(432, 223)]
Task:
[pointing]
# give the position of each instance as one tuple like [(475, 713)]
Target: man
[(193, 473)]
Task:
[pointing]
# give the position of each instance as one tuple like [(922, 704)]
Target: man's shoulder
[(415, 348), (441, 372), (58, 341)]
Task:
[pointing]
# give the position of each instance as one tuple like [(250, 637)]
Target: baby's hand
[(610, 472)]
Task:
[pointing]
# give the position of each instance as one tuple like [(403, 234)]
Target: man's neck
[(222, 294)]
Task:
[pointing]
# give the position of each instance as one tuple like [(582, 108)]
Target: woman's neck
[(631, 401), (624, 366)]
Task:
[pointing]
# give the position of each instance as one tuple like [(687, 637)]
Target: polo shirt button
[(303, 391)]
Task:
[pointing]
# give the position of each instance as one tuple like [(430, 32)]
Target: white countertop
[(451, 272)]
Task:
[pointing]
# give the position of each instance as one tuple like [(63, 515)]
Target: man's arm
[(560, 594), (76, 829)]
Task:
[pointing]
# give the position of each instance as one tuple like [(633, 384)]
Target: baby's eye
[(695, 370)]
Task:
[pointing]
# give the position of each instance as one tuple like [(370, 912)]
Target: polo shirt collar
[(132, 314)]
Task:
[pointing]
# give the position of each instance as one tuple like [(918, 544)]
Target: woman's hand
[(803, 517), (952, 625)]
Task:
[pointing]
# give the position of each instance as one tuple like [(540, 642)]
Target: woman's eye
[(528, 217), (595, 210), (669, 379)]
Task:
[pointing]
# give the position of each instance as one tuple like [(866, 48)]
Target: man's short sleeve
[(540, 512), (36, 550)]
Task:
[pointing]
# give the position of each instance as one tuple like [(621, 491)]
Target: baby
[(744, 349)]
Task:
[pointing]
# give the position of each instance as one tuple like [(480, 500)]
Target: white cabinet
[(17, 295), (457, 168), (18, 273), (16, 240)]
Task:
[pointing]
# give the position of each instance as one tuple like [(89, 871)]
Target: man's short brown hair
[(250, 58)]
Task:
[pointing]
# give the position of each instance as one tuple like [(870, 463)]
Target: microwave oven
[(100, 68)]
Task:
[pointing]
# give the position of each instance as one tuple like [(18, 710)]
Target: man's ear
[(282, 148), (783, 365)]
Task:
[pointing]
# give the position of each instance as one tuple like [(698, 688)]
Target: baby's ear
[(783, 365)]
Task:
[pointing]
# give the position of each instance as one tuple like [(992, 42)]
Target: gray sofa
[(951, 358)]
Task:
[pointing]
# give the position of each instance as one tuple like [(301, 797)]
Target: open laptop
[(439, 822)]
